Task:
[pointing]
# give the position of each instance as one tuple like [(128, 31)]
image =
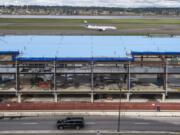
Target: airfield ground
[(27, 26)]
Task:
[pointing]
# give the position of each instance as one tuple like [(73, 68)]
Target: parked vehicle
[(71, 122)]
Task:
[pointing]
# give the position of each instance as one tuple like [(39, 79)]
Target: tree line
[(68, 10)]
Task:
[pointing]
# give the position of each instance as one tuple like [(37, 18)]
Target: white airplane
[(99, 27)]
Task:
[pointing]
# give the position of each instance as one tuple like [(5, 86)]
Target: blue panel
[(155, 53), (9, 52)]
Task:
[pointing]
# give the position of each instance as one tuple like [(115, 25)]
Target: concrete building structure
[(88, 66)]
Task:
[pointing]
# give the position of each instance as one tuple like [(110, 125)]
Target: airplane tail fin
[(85, 22)]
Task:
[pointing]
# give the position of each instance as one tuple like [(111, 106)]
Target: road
[(96, 123)]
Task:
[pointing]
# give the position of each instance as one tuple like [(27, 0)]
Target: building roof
[(87, 47)]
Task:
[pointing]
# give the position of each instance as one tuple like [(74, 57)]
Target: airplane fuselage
[(101, 28)]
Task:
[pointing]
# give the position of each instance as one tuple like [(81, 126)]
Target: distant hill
[(67, 10)]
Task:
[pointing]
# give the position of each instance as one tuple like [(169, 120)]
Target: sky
[(97, 3)]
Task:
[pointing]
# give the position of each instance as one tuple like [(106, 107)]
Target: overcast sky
[(102, 3)]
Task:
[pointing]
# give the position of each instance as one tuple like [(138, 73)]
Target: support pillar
[(17, 77), (55, 88), (66, 75), (55, 97), (165, 85), (128, 97), (163, 97), (159, 79), (125, 75), (129, 79), (129, 82), (19, 98), (92, 97), (141, 61), (92, 81), (18, 83)]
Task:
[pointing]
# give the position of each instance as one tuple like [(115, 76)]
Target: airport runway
[(96, 123), (73, 25)]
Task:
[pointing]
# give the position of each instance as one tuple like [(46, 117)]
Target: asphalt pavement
[(95, 123)]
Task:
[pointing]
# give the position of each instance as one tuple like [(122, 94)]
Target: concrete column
[(92, 97), (163, 97), (55, 97), (19, 98), (66, 75), (141, 61), (55, 88), (55, 76), (92, 81), (165, 86), (128, 97), (129, 79), (125, 75), (17, 77), (159, 79)]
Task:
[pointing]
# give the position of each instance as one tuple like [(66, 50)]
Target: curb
[(6, 114), (14, 132)]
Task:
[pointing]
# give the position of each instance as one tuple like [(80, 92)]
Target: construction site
[(89, 68)]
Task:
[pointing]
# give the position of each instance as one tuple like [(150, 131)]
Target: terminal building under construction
[(89, 68)]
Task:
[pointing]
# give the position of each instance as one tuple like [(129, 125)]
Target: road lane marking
[(176, 123), (141, 123), (90, 123), (30, 123)]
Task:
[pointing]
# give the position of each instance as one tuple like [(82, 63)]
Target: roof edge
[(74, 59)]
